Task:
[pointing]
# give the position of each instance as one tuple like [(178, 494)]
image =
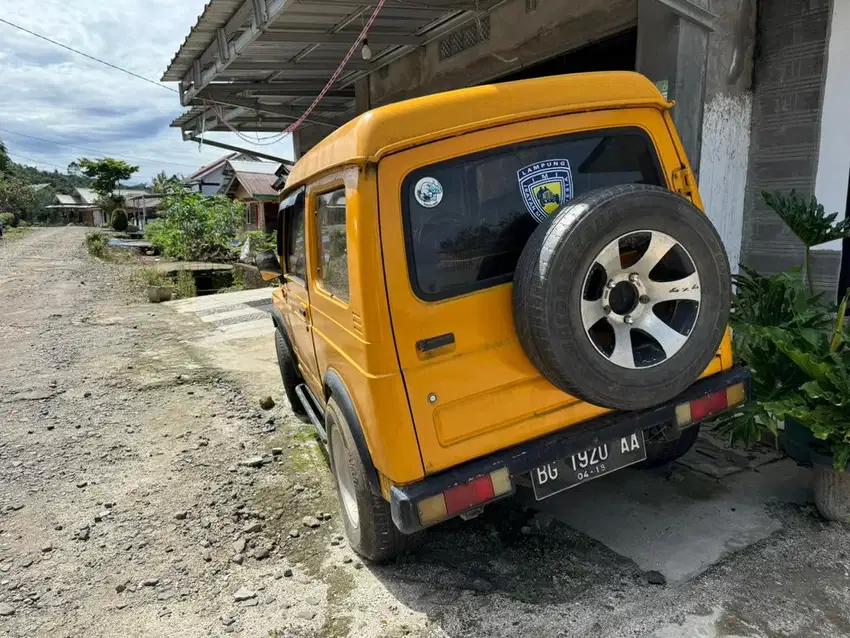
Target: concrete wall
[(834, 150), (517, 38), (727, 118), (788, 90)]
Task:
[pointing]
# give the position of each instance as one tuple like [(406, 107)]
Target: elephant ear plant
[(822, 401), (808, 220)]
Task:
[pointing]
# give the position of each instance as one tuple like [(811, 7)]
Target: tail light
[(711, 404), (464, 497)]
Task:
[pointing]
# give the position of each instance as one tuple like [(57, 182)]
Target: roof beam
[(191, 137), (248, 37), (276, 89), (322, 37), (285, 112), (276, 65)]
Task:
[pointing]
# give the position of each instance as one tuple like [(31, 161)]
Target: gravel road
[(143, 492)]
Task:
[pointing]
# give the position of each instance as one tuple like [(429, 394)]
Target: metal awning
[(256, 65)]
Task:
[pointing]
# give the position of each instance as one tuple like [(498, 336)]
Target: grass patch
[(186, 284), (14, 234), (144, 277)]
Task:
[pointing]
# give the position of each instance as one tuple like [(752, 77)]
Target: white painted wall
[(723, 166), (834, 153)]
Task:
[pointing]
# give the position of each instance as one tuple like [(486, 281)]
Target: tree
[(106, 173), (4, 158), (162, 183), (17, 197)]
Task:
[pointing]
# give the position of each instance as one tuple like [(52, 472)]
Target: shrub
[(7, 220), (150, 277), (23, 224), (196, 228), (97, 243), (186, 284), (119, 220)]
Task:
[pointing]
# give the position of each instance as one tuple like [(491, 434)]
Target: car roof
[(389, 129)]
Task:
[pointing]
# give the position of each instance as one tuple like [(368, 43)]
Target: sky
[(50, 93)]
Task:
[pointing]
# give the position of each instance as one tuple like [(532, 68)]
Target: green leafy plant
[(7, 220), (150, 277), (260, 241), (776, 301), (197, 228), (186, 286), (119, 220), (822, 401), (807, 219), (106, 173), (97, 244)]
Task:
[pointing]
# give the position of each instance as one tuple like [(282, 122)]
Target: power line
[(90, 57), (94, 150), (30, 159)]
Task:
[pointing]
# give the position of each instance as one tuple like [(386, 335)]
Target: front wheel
[(367, 518), (288, 372)]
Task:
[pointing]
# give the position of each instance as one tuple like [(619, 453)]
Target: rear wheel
[(367, 518), (661, 452), (288, 372)]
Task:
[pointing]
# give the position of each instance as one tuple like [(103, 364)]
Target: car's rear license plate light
[(465, 496), (711, 404)]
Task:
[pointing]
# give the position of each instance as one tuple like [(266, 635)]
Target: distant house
[(82, 208), (253, 183), (142, 208), (209, 179)]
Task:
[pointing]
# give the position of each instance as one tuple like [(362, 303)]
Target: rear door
[(454, 219)]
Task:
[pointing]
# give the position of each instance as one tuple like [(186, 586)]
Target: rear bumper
[(524, 457)]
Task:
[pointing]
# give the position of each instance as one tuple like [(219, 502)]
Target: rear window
[(467, 219)]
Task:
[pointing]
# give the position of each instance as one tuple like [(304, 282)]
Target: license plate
[(547, 480)]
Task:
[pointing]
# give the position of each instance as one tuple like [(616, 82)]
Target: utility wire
[(90, 57), (94, 150), (30, 159)]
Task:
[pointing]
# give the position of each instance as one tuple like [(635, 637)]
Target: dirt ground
[(143, 492)]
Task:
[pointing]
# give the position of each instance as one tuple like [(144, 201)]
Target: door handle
[(302, 312)]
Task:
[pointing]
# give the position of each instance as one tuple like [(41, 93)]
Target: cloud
[(50, 93)]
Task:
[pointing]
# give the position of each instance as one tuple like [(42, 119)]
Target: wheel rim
[(344, 478), (640, 299)]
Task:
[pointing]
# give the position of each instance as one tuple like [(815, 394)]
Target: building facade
[(759, 85)]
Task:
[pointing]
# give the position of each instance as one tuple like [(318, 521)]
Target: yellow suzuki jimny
[(502, 285)]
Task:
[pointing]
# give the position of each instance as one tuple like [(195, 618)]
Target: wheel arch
[(335, 387)]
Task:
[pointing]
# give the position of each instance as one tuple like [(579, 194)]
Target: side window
[(296, 256), (333, 247)]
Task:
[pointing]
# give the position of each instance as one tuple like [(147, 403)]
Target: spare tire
[(622, 297)]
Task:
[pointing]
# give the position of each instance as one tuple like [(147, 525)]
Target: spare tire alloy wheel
[(624, 300), (622, 297)]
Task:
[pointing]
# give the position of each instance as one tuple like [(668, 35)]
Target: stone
[(287, 573), (262, 553), (306, 614), (312, 600), (654, 577), (252, 528), (150, 582), (294, 533), (6, 609), (253, 602), (82, 484), (84, 533), (26, 561), (243, 593), (240, 545), (348, 560), (206, 556), (86, 394), (254, 461), (181, 516), (120, 588), (237, 558), (267, 403), (277, 451), (311, 522), (47, 547), (358, 565)]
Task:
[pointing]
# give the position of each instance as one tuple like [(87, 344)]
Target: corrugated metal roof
[(257, 184), (86, 195), (262, 168), (257, 76), (65, 199)]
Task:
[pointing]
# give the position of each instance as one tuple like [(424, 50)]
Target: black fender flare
[(334, 386)]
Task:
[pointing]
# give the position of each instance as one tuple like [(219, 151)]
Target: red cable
[(292, 127)]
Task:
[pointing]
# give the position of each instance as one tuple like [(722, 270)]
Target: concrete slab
[(209, 302), (683, 524)]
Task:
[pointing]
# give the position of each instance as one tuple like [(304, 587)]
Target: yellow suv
[(502, 285)]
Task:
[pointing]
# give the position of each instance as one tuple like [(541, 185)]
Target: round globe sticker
[(428, 192)]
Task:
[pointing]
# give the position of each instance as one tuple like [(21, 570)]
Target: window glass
[(334, 245), (468, 219), (296, 256)]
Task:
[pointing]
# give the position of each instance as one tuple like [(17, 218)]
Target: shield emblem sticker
[(545, 186)]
